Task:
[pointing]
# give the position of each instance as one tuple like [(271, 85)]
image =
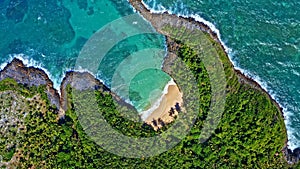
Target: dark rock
[(30, 76), (79, 81), (159, 20), (85, 81), (292, 157)]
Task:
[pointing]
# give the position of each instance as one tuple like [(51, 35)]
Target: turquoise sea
[(263, 35), (51, 33)]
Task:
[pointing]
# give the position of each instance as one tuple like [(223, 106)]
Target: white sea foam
[(197, 17), (82, 70), (292, 141), (145, 114), (3, 65), (29, 62), (133, 9)]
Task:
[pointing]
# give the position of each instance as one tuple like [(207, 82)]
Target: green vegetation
[(251, 133)]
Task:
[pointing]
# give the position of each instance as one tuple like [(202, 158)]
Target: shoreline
[(54, 93), (243, 74), (205, 25), (214, 33), (161, 107), (168, 108), (146, 113), (31, 63), (148, 15), (31, 76), (208, 26)]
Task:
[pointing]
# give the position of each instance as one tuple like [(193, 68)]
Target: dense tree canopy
[(251, 133)]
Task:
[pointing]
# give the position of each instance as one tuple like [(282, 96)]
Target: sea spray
[(145, 114), (29, 62), (161, 9), (196, 17), (292, 143)]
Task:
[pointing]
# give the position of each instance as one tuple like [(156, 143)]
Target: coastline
[(211, 29), (141, 8), (43, 74), (145, 114), (31, 63), (160, 110), (167, 110), (205, 26), (31, 76)]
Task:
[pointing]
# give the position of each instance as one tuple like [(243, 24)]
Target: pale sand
[(168, 101)]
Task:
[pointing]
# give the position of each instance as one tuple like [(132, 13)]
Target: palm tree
[(154, 122), (177, 107), (171, 112)]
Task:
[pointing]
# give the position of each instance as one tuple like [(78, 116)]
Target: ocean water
[(50, 34), (264, 41), (263, 37)]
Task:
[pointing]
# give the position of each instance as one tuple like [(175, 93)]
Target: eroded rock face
[(292, 157), (82, 81), (27, 76), (79, 81), (30, 76), (157, 21)]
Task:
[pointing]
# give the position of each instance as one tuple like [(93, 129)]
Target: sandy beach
[(161, 113)]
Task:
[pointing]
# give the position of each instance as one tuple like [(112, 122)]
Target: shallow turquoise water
[(51, 33), (138, 92), (264, 36)]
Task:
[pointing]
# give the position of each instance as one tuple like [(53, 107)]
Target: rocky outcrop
[(79, 81), (30, 76), (292, 157), (159, 20)]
